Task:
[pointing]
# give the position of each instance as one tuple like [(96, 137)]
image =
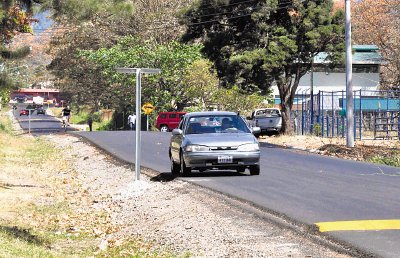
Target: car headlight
[(196, 148), (249, 147)]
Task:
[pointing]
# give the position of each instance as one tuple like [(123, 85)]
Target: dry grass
[(44, 211), (314, 142), (377, 151)]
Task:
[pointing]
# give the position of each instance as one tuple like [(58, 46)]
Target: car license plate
[(225, 159)]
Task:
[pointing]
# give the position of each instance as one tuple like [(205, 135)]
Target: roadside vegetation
[(45, 212), (385, 151)]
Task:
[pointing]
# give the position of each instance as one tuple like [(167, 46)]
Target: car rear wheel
[(184, 170), (255, 170), (174, 167), (164, 128), (240, 170)]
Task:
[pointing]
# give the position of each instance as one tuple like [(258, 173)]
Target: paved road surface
[(38, 124), (306, 187)]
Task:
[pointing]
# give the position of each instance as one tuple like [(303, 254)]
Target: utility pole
[(349, 85)]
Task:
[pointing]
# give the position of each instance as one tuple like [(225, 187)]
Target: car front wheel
[(184, 170), (255, 170), (174, 167), (164, 129)]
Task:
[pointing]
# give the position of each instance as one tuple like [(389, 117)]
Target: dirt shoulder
[(84, 203), (381, 151)]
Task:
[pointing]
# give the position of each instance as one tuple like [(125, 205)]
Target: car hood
[(220, 139)]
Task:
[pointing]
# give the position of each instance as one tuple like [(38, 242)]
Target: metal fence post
[(333, 116), (302, 112), (322, 115), (354, 115), (361, 115)]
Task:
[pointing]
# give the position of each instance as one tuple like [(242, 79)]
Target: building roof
[(362, 54), (37, 91)]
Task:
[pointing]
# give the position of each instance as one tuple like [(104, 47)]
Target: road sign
[(147, 108)]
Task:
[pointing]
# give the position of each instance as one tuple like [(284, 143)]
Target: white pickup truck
[(268, 119)]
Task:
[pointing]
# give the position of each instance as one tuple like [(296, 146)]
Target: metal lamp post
[(138, 72)]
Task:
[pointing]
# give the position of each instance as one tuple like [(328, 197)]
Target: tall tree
[(201, 83), (167, 92), (15, 17), (101, 25), (256, 43), (378, 22)]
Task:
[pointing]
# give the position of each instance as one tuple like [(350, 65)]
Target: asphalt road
[(38, 124), (306, 187)]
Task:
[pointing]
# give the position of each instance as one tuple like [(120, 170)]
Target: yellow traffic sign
[(147, 108)]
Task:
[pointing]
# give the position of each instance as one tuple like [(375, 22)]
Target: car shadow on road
[(163, 177), (168, 176)]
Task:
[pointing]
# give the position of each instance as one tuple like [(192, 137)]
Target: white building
[(366, 74)]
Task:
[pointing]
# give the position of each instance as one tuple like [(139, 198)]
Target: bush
[(317, 130), (5, 124), (392, 160)]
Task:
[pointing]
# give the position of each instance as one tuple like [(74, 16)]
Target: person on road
[(132, 121), (66, 114), (90, 121)]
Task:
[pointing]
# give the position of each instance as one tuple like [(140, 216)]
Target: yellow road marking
[(359, 225)]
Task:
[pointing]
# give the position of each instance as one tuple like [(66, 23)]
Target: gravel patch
[(176, 215)]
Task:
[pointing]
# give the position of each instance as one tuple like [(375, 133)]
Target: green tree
[(14, 18), (256, 43), (166, 91), (236, 100), (201, 83)]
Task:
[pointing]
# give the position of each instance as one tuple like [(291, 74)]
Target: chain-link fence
[(376, 114)]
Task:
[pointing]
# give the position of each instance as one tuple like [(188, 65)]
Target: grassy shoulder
[(44, 212)]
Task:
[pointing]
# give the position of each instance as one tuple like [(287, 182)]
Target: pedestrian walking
[(132, 121), (90, 121)]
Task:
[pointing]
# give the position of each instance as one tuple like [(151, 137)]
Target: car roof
[(211, 113)]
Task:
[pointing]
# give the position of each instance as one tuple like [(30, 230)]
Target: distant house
[(366, 74), (28, 94)]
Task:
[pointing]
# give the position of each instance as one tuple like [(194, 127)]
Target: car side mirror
[(249, 118), (177, 131), (256, 130)]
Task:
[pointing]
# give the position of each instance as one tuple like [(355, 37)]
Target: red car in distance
[(167, 121), (23, 112)]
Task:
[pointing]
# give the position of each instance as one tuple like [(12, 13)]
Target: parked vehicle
[(268, 119), (40, 111), (23, 112), (167, 121), (20, 98), (214, 140)]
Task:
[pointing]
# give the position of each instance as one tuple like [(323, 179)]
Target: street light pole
[(138, 123), (349, 85), (138, 72)]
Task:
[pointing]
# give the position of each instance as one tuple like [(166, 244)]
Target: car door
[(176, 141), (173, 121)]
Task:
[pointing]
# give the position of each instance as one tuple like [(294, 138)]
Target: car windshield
[(267, 112), (216, 124)]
